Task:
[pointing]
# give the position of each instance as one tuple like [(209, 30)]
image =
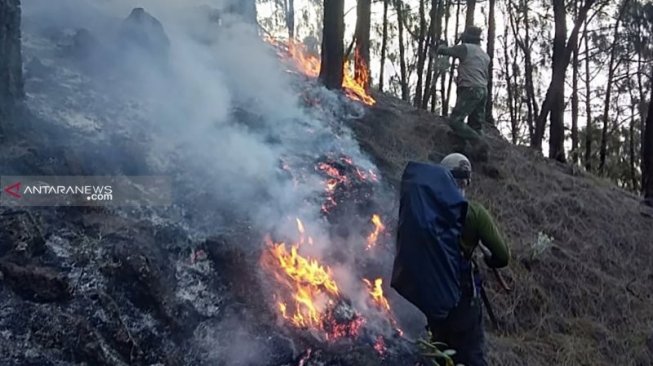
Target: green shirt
[(480, 227)]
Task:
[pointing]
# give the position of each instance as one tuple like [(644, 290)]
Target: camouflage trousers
[(470, 103)]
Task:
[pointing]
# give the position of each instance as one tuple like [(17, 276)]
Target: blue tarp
[(432, 213)]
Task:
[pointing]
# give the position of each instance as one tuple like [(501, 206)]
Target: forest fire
[(307, 295), (309, 286), (355, 87), (344, 182)]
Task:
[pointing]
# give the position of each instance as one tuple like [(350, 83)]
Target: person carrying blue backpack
[(437, 233)]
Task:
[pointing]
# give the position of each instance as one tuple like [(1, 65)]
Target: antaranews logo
[(13, 190), (84, 190)]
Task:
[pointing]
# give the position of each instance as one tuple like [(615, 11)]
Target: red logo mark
[(13, 190)]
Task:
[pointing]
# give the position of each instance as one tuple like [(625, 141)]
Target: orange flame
[(376, 292), (309, 285), (357, 87), (378, 228), (309, 64), (307, 295), (304, 271)]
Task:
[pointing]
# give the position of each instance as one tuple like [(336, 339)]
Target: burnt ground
[(584, 299), (100, 286)]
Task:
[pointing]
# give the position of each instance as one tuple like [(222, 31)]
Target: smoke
[(215, 110)]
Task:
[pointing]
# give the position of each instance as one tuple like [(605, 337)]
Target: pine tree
[(331, 70)]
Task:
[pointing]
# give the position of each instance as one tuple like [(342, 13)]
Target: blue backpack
[(429, 262)]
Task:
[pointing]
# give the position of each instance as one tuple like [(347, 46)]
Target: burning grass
[(308, 296)]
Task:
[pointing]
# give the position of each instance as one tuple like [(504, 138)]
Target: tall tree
[(647, 154), (509, 84), (290, 18), (588, 102), (443, 76), (402, 51), (531, 102), (384, 44), (421, 55), (631, 136), (471, 9), (432, 74), (490, 51), (453, 64), (331, 70), (557, 130), (608, 93), (362, 52), (554, 102), (11, 72), (574, 98)]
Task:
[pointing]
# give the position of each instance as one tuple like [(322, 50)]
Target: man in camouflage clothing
[(472, 82)]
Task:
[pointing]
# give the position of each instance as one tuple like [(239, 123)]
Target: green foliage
[(436, 352)]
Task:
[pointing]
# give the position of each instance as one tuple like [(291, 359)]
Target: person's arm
[(459, 51), (492, 239)]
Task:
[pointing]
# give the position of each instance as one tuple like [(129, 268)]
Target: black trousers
[(463, 332)]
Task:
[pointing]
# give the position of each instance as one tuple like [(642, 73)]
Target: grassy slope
[(585, 301)]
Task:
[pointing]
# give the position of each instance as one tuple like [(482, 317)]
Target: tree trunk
[(384, 44), (437, 12), (511, 109), (557, 128), (11, 72), (631, 146), (402, 51), (554, 101), (443, 76), (421, 43), (471, 9), (453, 63), (588, 103), (490, 51), (647, 154), (431, 39), (331, 70), (290, 19), (528, 76), (608, 93), (509, 86), (362, 52), (574, 99)]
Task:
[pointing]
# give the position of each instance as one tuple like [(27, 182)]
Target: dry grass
[(584, 301)]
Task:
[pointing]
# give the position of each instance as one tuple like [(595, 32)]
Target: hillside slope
[(586, 299)]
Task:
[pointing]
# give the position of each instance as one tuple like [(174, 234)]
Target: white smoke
[(220, 109)]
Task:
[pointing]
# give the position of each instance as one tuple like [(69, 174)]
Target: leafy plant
[(436, 353)]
